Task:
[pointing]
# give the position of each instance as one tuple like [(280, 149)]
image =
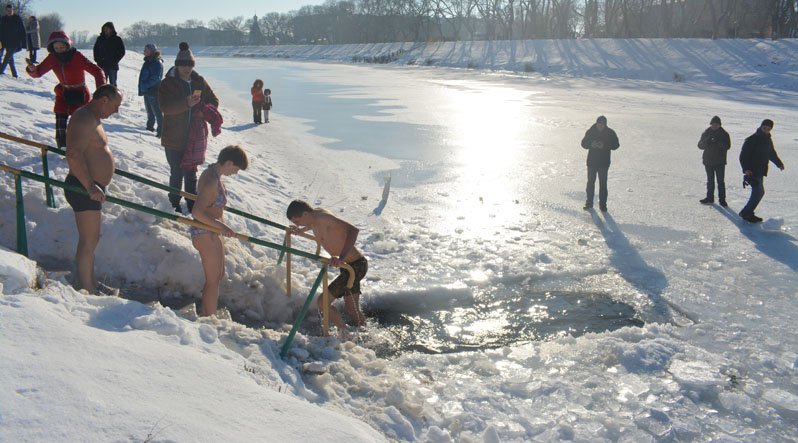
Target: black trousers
[(60, 129), (592, 172)]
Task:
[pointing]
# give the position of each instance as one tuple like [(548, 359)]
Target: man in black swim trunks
[(337, 237), (91, 166)]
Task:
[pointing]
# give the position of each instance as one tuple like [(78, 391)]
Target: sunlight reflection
[(488, 130)]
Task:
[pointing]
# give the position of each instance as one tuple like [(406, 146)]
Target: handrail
[(175, 217), (152, 183), (22, 236)]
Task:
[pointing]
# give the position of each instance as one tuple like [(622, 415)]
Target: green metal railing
[(51, 200), (22, 243)]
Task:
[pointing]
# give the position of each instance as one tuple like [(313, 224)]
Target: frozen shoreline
[(734, 62)]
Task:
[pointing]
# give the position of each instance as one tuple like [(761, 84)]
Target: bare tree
[(191, 24), (139, 30), (232, 30), (80, 39), (50, 23)]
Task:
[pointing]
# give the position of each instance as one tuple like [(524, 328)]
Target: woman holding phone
[(182, 89)]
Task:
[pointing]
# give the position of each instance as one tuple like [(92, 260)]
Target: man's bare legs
[(352, 306), (212, 254), (334, 315), (88, 223)]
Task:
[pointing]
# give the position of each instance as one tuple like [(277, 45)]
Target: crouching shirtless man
[(337, 237), (91, 166)]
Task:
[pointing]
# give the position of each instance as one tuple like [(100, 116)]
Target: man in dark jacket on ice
[(599, 141), (108, 51), (757, 152), (715, 142)]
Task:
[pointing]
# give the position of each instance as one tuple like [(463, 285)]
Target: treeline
[(377, 21)]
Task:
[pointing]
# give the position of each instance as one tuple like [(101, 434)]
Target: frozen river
[(484, 255)]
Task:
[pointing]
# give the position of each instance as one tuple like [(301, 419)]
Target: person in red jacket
[(258, 100), (69, 65)]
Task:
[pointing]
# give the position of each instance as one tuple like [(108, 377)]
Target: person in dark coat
[(757, 152), (182, 89), (108, 51), (69, 66), (12, 36), (34, 39), (149, 83), (599, 141), (267, 103), (715, 142)]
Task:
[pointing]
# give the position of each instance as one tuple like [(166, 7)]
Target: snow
[(484, 206), (17, 273)]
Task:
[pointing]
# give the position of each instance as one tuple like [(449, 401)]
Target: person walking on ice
[(715, 142), (757, 151), (337, 237)]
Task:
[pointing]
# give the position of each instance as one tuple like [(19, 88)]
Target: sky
[(89, 15)]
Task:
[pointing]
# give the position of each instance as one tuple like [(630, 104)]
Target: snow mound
[(17, 273)]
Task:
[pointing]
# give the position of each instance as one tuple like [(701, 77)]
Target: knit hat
[(602, 120), (767, 122), (58, 36), (184, 57), (150, 47), (714, 120)]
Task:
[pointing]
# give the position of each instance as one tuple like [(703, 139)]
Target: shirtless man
[(91, 166), (337, 237)]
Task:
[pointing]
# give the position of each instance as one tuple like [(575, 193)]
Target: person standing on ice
[(34, 39), (69, 65), (209, 209), (12, 37), (757, 152), (337, 237), (258, 100), (599, 141), (91, 166), (715, 142), (108, 51), (149, 81), (267, 103), (181, 90)]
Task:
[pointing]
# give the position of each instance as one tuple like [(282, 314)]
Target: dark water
[(495, 317)]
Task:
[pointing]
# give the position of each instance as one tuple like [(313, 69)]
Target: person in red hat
[(70, 66)]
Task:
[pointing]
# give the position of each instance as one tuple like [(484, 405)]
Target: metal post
[(22, 234), (48, 190), (302, 313), (287, 244), (325, 307)]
